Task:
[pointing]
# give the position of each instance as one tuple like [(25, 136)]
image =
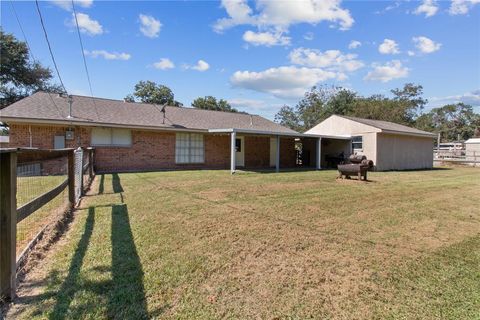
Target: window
[(357, 143), (58, 142), (111, 137), (189, 148), (238, 145)]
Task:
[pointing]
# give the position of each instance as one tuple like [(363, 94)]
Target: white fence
[(457, 156)]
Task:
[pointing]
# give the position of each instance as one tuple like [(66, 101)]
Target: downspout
[(30, 134)]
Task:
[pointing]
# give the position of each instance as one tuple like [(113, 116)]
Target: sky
[(259, 55)]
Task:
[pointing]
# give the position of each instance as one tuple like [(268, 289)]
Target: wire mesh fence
[(34, 179), (41, 173)]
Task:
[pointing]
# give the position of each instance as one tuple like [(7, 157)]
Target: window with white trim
[(111, 137), (189, 148), (357, 143)]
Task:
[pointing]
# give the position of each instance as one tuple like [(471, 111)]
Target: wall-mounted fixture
[(69, 134)]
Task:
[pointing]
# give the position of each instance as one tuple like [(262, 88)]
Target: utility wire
[(49, 46), (84, 60), (30, 52), (21, 29)]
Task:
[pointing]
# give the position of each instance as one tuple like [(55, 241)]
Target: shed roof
[(48, 108), (473, 140), (388, 126)]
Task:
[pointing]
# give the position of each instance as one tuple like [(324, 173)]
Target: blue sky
[(260, 54)]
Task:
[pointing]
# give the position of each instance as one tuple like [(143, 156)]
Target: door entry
[(240, 152)]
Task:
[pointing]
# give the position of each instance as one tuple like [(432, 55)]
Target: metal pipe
[(233, 152), (277, 160)]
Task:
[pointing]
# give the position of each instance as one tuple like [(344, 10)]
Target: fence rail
[(457, 156), (35, 178)]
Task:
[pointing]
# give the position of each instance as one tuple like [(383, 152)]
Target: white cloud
[(387, 72), (390, 7), (410, 53), (67, 4), (472, 98), (282, 82), (108, 55), (388, 46), (267, 39), (86, 24), (150, 27), (354, 44), (164, 64), (331, 60), (308, 36), (458, 7), (428, 7), (200, 66), (281, 14), (426, 45), (251, 104)]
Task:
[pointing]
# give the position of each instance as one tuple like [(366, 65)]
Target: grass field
[(293, 245)]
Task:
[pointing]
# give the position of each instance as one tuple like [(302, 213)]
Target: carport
[(316, 150)]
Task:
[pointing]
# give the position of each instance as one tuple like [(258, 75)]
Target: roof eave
[(424, 135), (95, 124), (276, 133)]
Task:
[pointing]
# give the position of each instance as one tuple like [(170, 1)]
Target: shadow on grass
[(101, 186), (127, 297), (124, 293), (70, 285), (116, 185)]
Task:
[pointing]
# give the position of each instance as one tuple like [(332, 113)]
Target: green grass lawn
[(293, 245)]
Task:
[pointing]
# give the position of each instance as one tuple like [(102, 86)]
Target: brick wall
[(153, 150)]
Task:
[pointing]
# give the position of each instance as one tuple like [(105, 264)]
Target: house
[(138, 136), (391, 146)]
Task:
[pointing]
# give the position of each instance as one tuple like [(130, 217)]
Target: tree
[(451, 121), (410, 101), (150, 92), (19, 76), (287, 116), (317, 104), (211, 103)]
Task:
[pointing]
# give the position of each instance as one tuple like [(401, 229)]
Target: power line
[(49, 46), (21, 29), (84, 60), (30, 52)]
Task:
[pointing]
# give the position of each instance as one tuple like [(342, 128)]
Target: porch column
[(277, 158), (233, 136), (319, 154)]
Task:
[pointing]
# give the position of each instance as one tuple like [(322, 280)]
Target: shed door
[(240, 152)]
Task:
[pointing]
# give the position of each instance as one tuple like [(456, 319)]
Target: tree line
[(21, 76), (452, 121)]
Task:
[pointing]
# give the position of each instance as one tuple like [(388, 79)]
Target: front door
[(240, 152)]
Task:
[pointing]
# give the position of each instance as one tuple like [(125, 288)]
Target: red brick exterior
[(154, 150)]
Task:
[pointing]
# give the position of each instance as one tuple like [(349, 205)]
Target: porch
[(251, 149)]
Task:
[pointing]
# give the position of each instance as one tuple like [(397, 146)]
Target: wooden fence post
[(71, 177), (8, 223)]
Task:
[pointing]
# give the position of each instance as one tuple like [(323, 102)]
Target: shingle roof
[(388, 126), (40, 106)]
